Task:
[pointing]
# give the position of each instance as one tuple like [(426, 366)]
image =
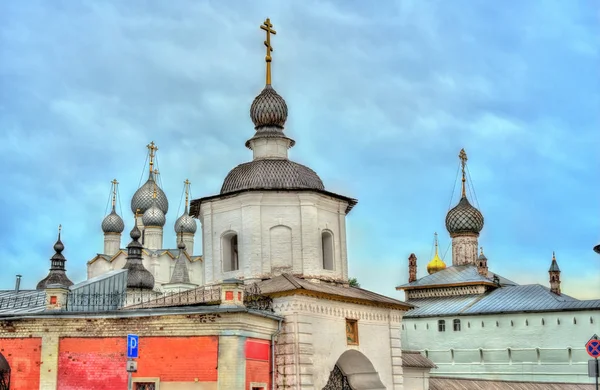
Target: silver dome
[(271, 174), (142, 199), (154, 217), (113, 223), (185, 224), (268, 109), (464, 218)]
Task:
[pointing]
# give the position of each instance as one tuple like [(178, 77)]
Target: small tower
[(154, 221), (180, 278), (482, 267), (186, 225), (138, 277), (112, 226), (436, 264), (464, 222), (554, 273), (412, 268), (57, 275)]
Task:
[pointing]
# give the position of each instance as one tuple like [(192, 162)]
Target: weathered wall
[(258, 363), (526, 346), (24, 357)]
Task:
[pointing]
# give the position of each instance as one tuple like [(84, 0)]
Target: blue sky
[(381, 100)]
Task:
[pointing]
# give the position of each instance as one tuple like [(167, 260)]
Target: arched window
[(327, 249), (441, 326), (229, 249), (4, 373), (456, 325)]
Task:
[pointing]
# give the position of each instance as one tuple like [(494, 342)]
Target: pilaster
[(232, 363), (49, 358)]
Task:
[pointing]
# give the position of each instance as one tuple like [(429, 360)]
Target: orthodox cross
[(267, 26), (152, 148), (137, 214), (187, 191), (463, 161), (59, 229), (114, 198), (155, 175)]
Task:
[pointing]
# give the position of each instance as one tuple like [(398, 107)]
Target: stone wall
[(24, 357)]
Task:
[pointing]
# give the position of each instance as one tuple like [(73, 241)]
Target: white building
[(473, 323)]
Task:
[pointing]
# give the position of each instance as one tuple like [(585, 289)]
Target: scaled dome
[(113, 223), (154, 217), (268, 109), (185, 224), (271, 174), (464, 218), (142, 199)]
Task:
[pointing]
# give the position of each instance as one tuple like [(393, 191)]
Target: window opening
[(327, 250), (456, 325), (441, 326)]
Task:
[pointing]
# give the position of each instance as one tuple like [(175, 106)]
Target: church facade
[(267, 305), (473, 323)]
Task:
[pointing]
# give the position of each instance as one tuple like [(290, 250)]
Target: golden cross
[(267, 26), (60, 228), (114, 198), (187, 192), (137, 214), (463, 161), (152, 148)]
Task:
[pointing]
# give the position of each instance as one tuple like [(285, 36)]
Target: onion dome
[(137, 275), (268, 109), (271, 174), (57, 274), (154, 216), (185, 223), (113, 223), (464, 218), (436, 264), (142, 199)]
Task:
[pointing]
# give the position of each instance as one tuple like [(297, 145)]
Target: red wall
[(258, 362), (91, 363), (24, 357)]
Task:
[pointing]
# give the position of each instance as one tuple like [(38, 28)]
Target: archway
[(4, 373), (353, 371)]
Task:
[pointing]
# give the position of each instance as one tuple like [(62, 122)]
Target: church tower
[(482, 267), (112, 226), (554, 273), (464, 222), (273, 215)]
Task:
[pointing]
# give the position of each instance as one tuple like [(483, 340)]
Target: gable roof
[(286, 284), (506, 299), (455, 275), (172, 253)]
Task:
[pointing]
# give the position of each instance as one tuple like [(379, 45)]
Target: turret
[(482, 267), (554, 273), (138, 277), (412, 268), (112, 226), (57, 277)]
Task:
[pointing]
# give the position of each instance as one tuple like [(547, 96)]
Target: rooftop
[(456, 275)]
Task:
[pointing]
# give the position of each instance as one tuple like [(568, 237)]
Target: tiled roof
[(287, 282), (24, 301), (416, 359), (507, 299), (457, 274), (443, 383)]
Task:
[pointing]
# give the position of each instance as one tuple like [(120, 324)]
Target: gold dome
[(436, 264)]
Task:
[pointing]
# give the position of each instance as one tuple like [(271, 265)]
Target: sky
[(381, 99)]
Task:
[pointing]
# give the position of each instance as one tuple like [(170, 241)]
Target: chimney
[(412, 268), (18, 283)]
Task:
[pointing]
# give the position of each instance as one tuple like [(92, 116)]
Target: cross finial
[(436, 242), (187, 192), (137, 214), (59, 229), (481, 249), (463, 161), (114, 197), (152, 148), (268, 27), (553, 256)]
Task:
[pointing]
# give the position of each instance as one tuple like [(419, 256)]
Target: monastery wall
[(522, 346), (24, 357)]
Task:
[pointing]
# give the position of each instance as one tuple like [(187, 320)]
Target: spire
[(187, 183), (180, 271), (482, 267), (115, 183), (137, 276), (554, 273), (436, 264), (463, 161), (152, 149), (554, 264), (57, 274), (267, 26)]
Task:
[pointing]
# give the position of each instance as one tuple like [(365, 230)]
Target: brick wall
[(23, 356), (91, 363), (258, 362)]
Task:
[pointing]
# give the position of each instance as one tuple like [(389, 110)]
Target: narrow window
[(441, 326), (574, 321), (543, 323), (415, 326), (327, 250), (497, 324), (482, 324), (456, 325), (591, 320), (512, 323), (143, 236), (469, 324), (229, 245), (526, 323), (558, 321)]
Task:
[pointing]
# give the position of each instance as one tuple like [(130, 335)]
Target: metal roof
[(457, 274), (416, 359), (444, 383), (22, 302), (506, 299)]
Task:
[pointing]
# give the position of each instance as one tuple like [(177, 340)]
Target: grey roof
[(268, 109), (137, 276), (113, 223), (456, 274), (154, 216), (287, 282), (271, 174), (22, 302), (142, 199), (181, 273), (185, 223), (464, 218), (507, 299), (554, 266), (57, 274), (416, 359), (445, 383)]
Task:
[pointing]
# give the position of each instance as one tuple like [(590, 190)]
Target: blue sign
[(132, 345)]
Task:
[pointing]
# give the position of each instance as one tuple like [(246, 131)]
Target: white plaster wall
[(537, 352), (153, 237), (464, 249), (315, 335), (112, 243), (256, 217), (415, 378)]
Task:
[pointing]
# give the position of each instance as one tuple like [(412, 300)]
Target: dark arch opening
[(4, 373), (353, 371)]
